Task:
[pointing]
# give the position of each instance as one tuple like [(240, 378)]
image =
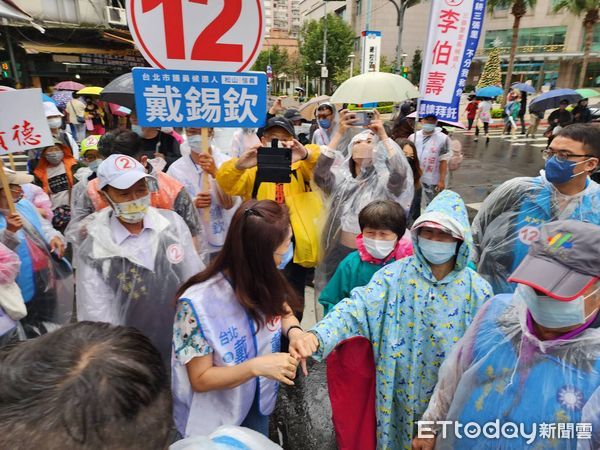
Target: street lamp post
[(318, 63), (351, 57), (400, 10)]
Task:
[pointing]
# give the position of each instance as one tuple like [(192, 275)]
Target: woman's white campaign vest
[(429, 156), (231, 333)]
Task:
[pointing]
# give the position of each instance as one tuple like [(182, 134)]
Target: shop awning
[(32, 48), (9, 10)]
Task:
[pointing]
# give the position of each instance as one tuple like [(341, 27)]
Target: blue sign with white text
[(184, 98)]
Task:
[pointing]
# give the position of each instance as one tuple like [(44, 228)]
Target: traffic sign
[(197, 35)]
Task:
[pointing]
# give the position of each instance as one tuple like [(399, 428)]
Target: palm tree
[(591, 11), (518, 8)]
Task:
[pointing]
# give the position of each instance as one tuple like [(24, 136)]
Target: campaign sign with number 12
[(219, 35)]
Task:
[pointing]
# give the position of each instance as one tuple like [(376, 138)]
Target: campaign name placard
[(23, 124), (184, 98)]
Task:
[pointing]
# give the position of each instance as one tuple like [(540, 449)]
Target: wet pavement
[(486, 166)]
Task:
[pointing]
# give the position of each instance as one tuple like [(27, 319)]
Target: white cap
[(120, 172), (50, 110)]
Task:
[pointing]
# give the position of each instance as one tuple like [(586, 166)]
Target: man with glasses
[(326, 115), (510, 218)]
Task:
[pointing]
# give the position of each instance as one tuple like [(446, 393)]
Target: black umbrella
[(120, 91)]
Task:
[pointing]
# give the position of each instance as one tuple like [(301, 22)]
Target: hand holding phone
[(363, 118)]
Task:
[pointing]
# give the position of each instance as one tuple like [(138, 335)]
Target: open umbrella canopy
[(552, 99), (62, 98), (374, 87), (120, 91), (90, 90), (524, 87), (489, 92), (588, 93), (307, 110), (46, 98), (68, 86)]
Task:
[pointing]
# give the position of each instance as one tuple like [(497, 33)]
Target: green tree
[(340, 43), (417, 63), (384, 66), (491, 75), (590, 9), (275, 57), (518, 8)]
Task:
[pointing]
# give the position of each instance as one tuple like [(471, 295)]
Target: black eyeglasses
[(562, 155), (251, 212)]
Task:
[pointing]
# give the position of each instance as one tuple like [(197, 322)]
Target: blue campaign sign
[(184, 98)]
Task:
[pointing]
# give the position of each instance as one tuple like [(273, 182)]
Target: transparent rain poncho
[(501, 371), (385, 175), (132, 281), (46, 282), (321, 135), (509, 219)]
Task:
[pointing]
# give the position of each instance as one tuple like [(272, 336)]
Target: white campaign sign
[(23, 124), (201, 35)]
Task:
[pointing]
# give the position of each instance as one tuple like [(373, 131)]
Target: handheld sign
[(223, 35), (200, 99), (23, 124)]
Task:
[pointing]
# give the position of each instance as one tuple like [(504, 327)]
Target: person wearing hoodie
[(412, 311), (376, 169), (55, 174), (134, 257), (327, 120), (529, 358), (433, 150), (381, 242), (509, 218), (55, 122)]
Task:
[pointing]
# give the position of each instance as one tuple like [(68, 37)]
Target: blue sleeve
[(359, 315)]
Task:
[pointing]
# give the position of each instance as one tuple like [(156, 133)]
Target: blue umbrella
[(46, 98), (489, 92), (552, 99), (524, 87)]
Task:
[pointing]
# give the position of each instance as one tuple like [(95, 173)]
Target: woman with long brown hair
[(226, 343)]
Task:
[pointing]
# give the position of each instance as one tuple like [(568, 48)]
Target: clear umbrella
[(375, 87)]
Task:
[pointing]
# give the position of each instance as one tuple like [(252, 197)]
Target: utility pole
[(11, 55), (400, 10)]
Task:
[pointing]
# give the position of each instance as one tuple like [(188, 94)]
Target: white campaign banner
[(23, 124), (454, 31)]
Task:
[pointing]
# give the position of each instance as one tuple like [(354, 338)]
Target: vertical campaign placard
[(454, 31), (371, 51), (182, 98), (23, 124), (221, 35)]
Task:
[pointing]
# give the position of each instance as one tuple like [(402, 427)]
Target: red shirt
[(472, 110)]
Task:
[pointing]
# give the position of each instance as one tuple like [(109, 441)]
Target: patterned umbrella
[(69, 86), (62, 98)]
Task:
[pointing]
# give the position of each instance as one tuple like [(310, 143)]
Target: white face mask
[(429, 127), (55, 122), (158, 164), (133, 211), (379, 249), (195, 143), (551, 313), (167, 130)]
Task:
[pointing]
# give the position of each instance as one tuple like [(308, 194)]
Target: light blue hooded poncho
[(412, 320)]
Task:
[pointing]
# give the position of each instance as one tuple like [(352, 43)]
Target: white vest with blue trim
[(231, 333)]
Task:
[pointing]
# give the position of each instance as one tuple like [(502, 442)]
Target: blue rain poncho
[(510, 217), (501, 371), (412, 320)]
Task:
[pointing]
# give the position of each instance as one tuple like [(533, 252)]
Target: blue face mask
[(560, 172), (93, 166), (136, 129), (429, 127), (325, 123), (437, 252), (286, 257), (552, 313)]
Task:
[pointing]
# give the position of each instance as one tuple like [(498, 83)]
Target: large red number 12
[(206, 47)]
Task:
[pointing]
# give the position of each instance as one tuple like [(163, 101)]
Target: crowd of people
[(186, 274)]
